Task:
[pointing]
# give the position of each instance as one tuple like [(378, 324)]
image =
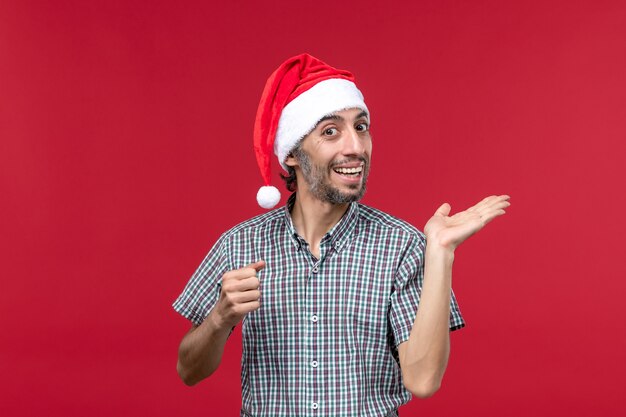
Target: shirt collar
[(338, 236)]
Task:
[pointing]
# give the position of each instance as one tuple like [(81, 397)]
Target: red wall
[(125, 150)]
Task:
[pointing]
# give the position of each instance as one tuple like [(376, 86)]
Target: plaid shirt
[(324, 341)]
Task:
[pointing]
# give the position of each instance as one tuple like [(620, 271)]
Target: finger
[(241, 309), (497, 205), (250, 283), (239, 274), (487, 217), (483, 203), (236, 286), (247, 271), (498, 199), (257, 266), (247, 296), (443, 210), (249, 307), (486, 211), (490, 202), (492, 199), (499, 202), (502, 204), (241, 285)]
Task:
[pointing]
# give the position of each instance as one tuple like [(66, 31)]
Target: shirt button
[(314, 406), (314, 318), (314, 364), (315, 270)]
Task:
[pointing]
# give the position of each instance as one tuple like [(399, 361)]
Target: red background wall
[(125, 150)]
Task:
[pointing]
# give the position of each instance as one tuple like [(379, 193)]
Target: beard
[(317, 178)]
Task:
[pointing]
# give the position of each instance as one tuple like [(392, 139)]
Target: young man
[(327, 289)]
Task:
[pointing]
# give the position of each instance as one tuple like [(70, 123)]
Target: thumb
[(443, 210), (258, 265)]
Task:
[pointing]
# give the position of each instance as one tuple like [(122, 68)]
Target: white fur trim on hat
[(300, 116)]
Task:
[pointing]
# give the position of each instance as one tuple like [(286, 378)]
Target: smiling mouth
[(350, 172)]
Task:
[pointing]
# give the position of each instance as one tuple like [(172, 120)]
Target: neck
[(313, 218)]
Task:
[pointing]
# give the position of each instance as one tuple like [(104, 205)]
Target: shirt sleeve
[(407, 292), (203, 289)]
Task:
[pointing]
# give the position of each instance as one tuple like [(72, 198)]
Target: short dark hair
[(290, 179)]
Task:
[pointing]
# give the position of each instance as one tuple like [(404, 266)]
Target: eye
[(362, 127), (330, 131)]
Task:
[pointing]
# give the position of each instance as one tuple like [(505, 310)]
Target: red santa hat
[(296, 97)]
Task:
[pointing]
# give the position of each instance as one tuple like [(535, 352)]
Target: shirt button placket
[(314, 319)]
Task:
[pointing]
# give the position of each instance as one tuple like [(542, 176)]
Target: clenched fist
[(240, 294)]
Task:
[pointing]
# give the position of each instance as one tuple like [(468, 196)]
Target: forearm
[(200, 351), (427, 350), (424, 356)]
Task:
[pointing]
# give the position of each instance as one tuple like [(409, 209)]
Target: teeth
[(349, 170)]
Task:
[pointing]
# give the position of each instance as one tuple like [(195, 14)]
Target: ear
[(291, 160)]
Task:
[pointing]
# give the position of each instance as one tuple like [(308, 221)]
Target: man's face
[(333, 161)]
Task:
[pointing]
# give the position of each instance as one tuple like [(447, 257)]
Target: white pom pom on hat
[(296, 96), (268, 196)]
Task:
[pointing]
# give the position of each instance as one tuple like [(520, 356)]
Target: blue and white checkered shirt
[(324, 341)]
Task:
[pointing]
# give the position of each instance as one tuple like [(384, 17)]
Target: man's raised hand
[(450, 231), (240, 294)]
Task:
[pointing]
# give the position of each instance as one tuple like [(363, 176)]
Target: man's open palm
[(451, 231)]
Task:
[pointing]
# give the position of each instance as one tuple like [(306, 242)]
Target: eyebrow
[(362, 114), (339, 118)]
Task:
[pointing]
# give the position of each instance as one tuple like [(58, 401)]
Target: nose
[(353, 143)]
